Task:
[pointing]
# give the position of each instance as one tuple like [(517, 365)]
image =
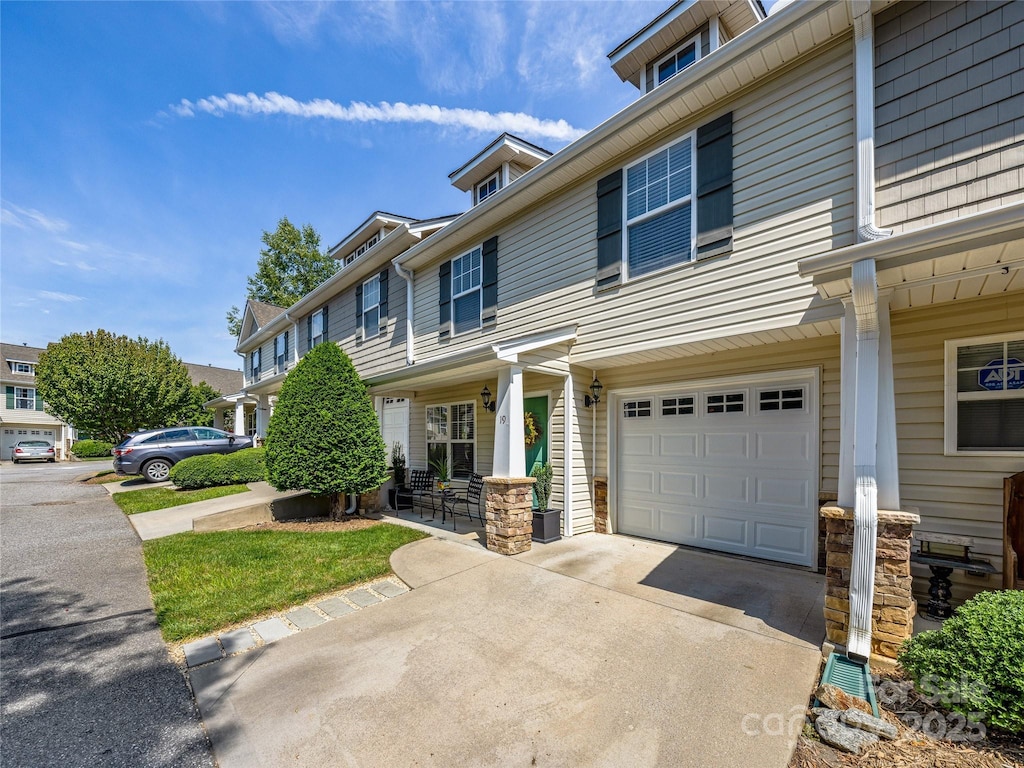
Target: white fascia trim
[(920, 244), (510, 351), (777, 26), (364, 231)]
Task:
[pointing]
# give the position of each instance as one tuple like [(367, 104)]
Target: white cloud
[(15, 215), (73, 245), (273, 103), (68, 298), (293, 21), (85, 266)]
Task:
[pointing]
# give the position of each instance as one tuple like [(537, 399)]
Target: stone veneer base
[(509, 514)]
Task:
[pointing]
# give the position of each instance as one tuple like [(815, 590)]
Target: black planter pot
[(547, 525)]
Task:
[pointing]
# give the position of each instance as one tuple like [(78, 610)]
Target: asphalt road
[(85, 679)]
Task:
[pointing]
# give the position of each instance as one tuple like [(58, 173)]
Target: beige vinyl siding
[(949, 107), (822, 353), (961, 495), (793, 198), (267, 368), (463, 393)]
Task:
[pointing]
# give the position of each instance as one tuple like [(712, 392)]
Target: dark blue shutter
[(609, 230), (714, 187), (383, 300), (444, 320), (309, 333), (359, 311), (10, 398), (489, 314), (286, 347), (326, 335)]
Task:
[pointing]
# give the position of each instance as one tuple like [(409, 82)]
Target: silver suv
[(153, 453)]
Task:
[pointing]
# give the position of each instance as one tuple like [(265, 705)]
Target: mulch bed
[(900, 704), (316, 525)]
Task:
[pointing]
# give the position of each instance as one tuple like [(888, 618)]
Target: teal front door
[(535, 412)]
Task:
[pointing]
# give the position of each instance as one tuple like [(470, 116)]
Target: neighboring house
[(23, 417), (802, 219)]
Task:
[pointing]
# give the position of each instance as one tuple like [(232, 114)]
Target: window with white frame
[(488, 187), (25, 398), (281, 352), (985, 394), (371, 307), (467, 271), (659, 209), (254, 363), (362, 249), (318, 332), (20, 367), (677, 61), (451, 437)]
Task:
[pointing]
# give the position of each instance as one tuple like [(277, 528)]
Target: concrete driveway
[(597, 651)]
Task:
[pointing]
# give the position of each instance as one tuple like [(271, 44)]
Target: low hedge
[(91, 449), (975, 663), (245, 466)]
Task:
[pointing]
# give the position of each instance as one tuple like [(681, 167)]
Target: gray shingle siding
[(949, 99)]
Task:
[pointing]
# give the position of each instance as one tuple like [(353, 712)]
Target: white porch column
[(568, 430), (239, 417), (218, 418), (887, 462), (262, 415), (509, 438), (847, 395)]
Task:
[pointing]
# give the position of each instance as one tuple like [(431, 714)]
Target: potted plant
[(439, 465), (398, 466), (547, 523)]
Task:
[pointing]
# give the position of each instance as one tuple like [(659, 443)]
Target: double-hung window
[(985, 394), (23, 368), (487, 187), (371, 307), (676, 61), (451, 437), (467, 272), (25, 398), (659, 209), (318, 329), (254, 364), (281, 352)]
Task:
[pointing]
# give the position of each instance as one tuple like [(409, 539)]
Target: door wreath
[(531, 432)]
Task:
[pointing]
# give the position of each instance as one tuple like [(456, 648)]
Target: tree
[(290, 266), (199, 415), (323, 435), (108, 386)]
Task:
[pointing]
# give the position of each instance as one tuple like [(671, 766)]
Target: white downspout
[(295, 337), (865, 511), (407, 275), (864, 89)]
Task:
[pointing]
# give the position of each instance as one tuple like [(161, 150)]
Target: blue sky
[(146, 146)]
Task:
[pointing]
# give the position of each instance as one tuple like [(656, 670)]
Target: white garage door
[(731, 467), (15, 434)]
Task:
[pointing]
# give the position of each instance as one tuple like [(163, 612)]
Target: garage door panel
[(719, 529), (726, 445), (722, 489), (678, 484), (785, 492), (779, 539), (743, 482), (682, 446)]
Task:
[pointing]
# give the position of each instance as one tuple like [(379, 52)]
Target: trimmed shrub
[(975, 663), (91, 449), (245, 466)]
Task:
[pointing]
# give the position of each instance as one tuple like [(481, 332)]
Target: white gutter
[(864, 89), (865, 511), (407, 275)]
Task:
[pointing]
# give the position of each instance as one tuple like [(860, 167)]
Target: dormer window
[(362, 249), (677, 61), (488, 187), (24, 368)]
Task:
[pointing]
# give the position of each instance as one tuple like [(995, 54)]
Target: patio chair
[(471, 498), (421, 488)]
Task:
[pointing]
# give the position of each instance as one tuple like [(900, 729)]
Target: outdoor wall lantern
[(594, 397), (485, 395)]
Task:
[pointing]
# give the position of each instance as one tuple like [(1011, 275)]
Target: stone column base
[(509, 514), (893, 607), (601, 504)]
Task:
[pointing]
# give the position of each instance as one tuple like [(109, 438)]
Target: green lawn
[(203, 582), (148, 499)]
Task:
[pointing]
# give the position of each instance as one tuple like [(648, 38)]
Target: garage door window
[(781, 400), (636, 409), (985, 394), (727, 402), (677, 406)]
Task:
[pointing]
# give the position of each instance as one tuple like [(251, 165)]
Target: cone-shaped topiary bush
[(324, 436)]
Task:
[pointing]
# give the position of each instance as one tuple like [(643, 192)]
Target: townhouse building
[(788, 273)]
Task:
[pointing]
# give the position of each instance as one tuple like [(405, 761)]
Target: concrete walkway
[(555, 658)]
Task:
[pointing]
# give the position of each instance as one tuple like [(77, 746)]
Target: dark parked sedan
[(32, 450), (153, 453)]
